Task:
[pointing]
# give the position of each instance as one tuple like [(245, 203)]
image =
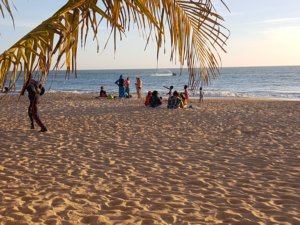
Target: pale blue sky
[(263, 33)]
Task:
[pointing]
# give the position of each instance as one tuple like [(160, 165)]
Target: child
[(186, 95), (170, 91), (201, 94), (148, 97), (184, 103)]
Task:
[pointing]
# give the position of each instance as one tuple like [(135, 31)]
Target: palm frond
[(4, 4), (57, 35), (196, 34), (193, 26)]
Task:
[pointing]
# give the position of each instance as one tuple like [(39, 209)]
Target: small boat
[(163, 73)]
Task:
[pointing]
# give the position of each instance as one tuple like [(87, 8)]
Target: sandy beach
[(118, 162)]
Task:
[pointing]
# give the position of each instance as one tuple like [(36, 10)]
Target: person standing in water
[(139, 85), (35, 91)]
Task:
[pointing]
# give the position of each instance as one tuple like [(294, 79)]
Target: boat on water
[(167, 73)]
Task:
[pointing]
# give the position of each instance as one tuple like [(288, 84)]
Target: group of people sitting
[(152, 99), (175, 100)]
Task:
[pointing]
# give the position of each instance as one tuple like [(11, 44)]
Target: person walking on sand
[(127, 89), (121, 83), (138, 86), (35, 91), (201, 94)]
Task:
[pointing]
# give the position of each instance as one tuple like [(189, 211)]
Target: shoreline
[(96, 93), (115, 161)]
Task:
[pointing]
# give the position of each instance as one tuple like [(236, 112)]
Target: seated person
[(5, 91), (102, 92), (148, 97), (184, 101), (155, 100), (174, 102)]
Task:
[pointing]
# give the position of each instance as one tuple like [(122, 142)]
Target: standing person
[(170, 93), (201, 94), (186, 94), (35, 90), (121, 83), (127, 89), (138, 86)]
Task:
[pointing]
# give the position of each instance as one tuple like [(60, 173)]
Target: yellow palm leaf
[(193, 26), (5, 4)]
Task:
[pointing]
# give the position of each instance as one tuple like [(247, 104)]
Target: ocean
[(235, 82)]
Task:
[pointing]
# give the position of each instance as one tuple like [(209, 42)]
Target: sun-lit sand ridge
[(115, 161)]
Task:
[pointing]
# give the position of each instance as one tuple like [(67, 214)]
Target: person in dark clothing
[(102, 92), (5, 90), (170, 91), (121, 83), (35, 90), (155, 100), (174, 102)]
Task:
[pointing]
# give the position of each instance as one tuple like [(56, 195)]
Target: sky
[(262, 33)]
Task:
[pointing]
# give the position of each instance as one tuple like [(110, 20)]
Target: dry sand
[(117, 162)]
